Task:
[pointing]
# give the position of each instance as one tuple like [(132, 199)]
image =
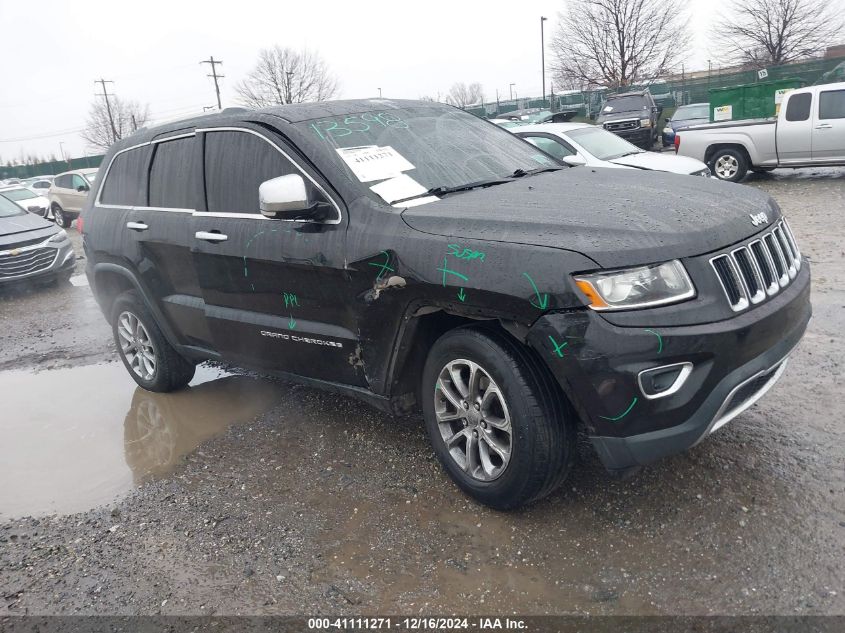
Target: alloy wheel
[(726, 167), (136, 346), (473, 419)]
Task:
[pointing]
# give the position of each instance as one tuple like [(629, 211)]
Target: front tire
[(59, 216), (729, 164), (147, 355), (496, 418)]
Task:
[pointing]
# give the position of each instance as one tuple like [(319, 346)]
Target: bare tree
[(128, 116), (616, 43), (284, 75), (772, 32), (463, 95)]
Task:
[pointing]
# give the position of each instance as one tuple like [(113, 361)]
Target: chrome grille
[(26, 262), (760, 268), (615, 126)]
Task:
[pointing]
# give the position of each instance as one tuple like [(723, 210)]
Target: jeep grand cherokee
[(425, 260)]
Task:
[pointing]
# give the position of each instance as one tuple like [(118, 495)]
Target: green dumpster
[(750, 101)]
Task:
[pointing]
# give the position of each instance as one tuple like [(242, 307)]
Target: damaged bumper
[(646, 392)]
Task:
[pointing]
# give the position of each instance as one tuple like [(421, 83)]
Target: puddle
[(80, 437)]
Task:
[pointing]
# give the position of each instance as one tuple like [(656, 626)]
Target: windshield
[(624, 104), (602, 144), (18, 194), (692, 112), (9, 208), (405, 152)]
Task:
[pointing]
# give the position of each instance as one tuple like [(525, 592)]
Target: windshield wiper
[(519, 173), (440, 191)]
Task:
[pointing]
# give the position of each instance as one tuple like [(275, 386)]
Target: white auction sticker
[(723, 113), (372, 162), (401, 187)]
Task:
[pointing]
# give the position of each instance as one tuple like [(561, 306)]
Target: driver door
[(75, 197)]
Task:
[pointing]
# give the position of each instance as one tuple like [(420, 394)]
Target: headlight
[(645, 122), (61, 236), (639, 287), (702, 172)]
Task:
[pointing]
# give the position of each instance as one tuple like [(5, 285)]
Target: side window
[(236, 163), (77, 181), (63, 182), (124, 184), (174, 175), (798, 106), (549, 146), (832, 104)]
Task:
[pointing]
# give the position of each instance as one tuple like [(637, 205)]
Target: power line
[(106, 96), (214, 74)]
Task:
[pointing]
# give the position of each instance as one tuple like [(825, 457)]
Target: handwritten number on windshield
[(352, 124)]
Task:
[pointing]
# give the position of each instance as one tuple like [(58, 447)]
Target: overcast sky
[(52, 51)]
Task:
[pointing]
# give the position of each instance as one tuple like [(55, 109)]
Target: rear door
[(794, 131), (158, 185), (829, 127), (275, 290)]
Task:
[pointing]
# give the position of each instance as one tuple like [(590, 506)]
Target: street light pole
[(709, 71), (511, 89), (543, 55), (379, 93)]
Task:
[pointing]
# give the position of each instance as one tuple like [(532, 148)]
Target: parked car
[(633, 116), (508, 123), (39, 184), (31, 247), (26, 199), (412, 255), (68, 194), (586, 144), (808, 131), (530, 115), (11, 181), (685, 116)]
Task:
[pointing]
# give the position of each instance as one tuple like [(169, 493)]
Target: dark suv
[(423, 259), (632, 115)]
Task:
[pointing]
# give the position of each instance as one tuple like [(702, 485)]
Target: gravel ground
[(315, 503)]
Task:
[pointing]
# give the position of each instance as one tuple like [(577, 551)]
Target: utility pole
[(379, 93), (543, 55), (106, 96), (214, 74), (511, 88)]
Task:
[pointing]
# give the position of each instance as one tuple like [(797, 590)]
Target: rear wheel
[(150, 359), (729, 164), (495, 418)]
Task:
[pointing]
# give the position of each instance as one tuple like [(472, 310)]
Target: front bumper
[(636, 135), (734, 362), (38, 260)]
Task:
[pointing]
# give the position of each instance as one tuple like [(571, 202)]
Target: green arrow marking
[(542, 301), (291, 323), (462, 295), (623, 414)]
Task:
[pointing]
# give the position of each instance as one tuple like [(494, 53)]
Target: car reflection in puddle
[(65, 449)]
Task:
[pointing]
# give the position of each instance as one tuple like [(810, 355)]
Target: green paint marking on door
[(659, 341), (558, 346), (462, 295), (542, 300), (446, 271), (291, 300), (623, 414), (291, 323)]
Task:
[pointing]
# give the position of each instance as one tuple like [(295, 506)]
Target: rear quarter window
[(125, 183)]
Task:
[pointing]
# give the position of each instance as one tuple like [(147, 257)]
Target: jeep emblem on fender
[(759, 218)]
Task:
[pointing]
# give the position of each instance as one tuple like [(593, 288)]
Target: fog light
[(660, 382)]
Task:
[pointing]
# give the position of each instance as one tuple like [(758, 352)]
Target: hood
[(619, 217), (20, 228), (604, 117), (661, 162), (682, 123)]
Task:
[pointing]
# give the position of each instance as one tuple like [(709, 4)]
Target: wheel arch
[(739, 147)]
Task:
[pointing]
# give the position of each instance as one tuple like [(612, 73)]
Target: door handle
[(137, 226), (211, 236), (824, 126)]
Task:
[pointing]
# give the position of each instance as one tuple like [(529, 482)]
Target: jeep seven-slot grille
[(26, 262), (759, 268), (616, 126)]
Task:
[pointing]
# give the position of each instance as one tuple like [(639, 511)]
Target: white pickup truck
[(809, 131)]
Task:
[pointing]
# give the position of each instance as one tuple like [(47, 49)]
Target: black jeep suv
[(423, 259), (632, 115)]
